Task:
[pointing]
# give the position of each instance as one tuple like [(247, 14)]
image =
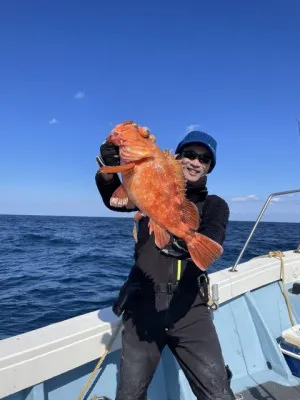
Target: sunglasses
[(192, 155)]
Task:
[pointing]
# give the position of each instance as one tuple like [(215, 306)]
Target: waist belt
[(170, 288)]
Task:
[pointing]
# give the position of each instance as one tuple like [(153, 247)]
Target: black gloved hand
[(127, 292), (109, 154)]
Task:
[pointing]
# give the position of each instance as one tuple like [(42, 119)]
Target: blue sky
[(72, 70)]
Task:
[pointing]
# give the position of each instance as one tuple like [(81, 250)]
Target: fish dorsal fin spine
[(180, 182), (177, 167)]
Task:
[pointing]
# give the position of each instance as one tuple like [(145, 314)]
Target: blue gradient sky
[(72, 70)]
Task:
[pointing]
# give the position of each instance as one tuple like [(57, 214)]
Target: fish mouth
[(114, 138)]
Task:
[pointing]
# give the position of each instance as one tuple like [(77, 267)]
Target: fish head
[(134, 141), (129, 132)]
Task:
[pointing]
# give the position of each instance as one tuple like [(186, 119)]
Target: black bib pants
[(177, 317)]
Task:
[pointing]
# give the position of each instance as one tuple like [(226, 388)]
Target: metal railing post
[(233, 269)]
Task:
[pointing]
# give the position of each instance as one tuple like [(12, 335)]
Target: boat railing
[(234, 268)]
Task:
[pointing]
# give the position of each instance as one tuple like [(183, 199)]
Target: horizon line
[(128, 217)]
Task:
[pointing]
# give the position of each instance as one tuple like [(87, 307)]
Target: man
[(165, 295)]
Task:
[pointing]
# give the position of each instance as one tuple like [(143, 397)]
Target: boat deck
[(271, 391)]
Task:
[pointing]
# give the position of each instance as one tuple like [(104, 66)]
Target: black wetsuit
[(168, 309)]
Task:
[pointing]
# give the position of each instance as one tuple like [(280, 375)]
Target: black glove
[(109, 155), (127, 292)]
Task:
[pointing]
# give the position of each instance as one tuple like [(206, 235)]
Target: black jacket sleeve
[(106, 190), (214, 219)]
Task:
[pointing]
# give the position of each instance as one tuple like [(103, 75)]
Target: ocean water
[(53, 268)]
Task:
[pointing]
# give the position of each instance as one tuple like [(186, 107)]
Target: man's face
[(193, 167)]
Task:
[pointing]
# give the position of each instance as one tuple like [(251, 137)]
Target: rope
[(237, 396), (108, 347), (134, 232), (279, 255)]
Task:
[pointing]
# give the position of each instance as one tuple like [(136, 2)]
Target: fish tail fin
[(203, 250)]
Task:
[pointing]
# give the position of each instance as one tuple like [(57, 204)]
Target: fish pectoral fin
[(191, 215), (130, 205), (119, 168), (120, 198), (161, 236), (176, 167)]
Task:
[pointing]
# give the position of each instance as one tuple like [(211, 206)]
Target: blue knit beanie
[(203, 139)]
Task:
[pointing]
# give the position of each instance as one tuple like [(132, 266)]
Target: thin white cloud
[(249, 197), (192, 127), (79, 95), (276, 199), (53, 121)]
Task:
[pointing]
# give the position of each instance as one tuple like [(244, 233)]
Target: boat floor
[(271, 391)]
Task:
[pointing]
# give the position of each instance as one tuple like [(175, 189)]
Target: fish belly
[(152, 189)]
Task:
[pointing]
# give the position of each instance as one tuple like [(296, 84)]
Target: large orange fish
[(153, 181)]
